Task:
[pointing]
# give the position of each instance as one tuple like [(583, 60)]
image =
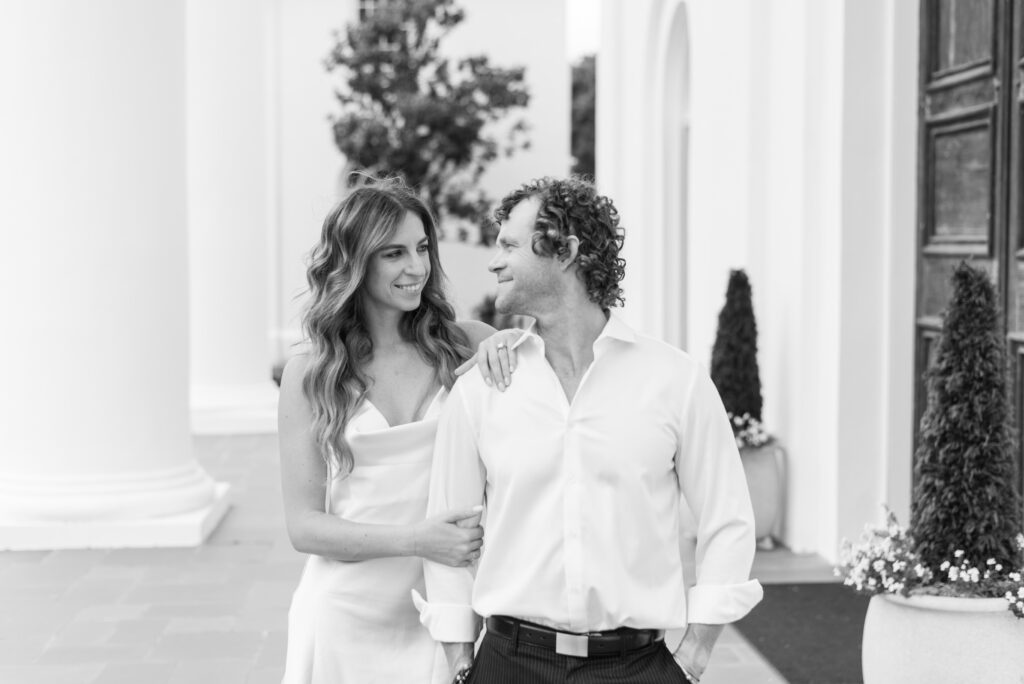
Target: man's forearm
[(695, 649), (459, 656)]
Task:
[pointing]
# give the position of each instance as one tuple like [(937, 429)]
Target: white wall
[(308, 163), (801, 170), (724, 74), (231, 205)]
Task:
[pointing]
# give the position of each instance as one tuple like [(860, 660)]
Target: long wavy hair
[(340, 345)]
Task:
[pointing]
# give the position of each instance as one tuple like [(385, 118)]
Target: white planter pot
[(940, 640), (764, 468)]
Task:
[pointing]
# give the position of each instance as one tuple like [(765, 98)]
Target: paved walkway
[(216, 614)]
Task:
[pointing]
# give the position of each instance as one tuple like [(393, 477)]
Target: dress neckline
[(426, 411)]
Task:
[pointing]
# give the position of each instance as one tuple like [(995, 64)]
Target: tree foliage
[(964, 497), (486, 312), (408, 110), (584, 103), (734, 356)]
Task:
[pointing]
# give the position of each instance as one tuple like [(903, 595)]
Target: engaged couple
[(539, 495)]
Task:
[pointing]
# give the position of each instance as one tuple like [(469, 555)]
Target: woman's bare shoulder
[(293, 375)]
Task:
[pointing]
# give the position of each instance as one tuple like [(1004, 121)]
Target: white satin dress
[(354, 622)]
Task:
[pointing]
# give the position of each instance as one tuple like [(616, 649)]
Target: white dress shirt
[(582, 498)]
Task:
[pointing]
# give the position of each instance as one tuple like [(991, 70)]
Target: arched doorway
[(672, 113)]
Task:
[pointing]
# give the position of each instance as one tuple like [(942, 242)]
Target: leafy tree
[(485, 311), (584, 103), (964, 497), (734, 356), (408, 110)]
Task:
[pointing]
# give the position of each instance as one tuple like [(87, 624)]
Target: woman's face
[(398, 271)]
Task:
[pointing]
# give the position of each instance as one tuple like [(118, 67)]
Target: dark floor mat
[(811, 633)]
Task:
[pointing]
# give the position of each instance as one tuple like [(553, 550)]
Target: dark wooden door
[(969, 167)]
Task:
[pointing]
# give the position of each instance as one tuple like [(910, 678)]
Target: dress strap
[(327, 487)]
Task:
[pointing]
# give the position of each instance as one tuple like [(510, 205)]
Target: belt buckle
[(571, 644)]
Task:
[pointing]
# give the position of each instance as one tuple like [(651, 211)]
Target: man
[(581, 463)]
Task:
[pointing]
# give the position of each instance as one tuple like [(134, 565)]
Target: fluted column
[(95, 446), (232, 200)]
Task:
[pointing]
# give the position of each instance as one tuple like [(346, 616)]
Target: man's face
[(526, 281)]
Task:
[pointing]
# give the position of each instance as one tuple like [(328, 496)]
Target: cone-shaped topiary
[(964, 498), (734, 356)]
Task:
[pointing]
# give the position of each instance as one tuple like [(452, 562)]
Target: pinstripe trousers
[(502, 660)]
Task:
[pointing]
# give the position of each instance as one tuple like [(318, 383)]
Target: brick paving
[(216, 613)]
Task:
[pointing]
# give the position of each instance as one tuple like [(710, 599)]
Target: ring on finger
[(501, 345)]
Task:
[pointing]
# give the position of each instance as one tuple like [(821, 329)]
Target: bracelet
[(462, 676)]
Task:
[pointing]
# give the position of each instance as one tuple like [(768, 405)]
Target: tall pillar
[(94, 434), (232, 205)]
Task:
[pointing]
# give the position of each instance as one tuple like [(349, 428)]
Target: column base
[(234, 409), (180, 530)]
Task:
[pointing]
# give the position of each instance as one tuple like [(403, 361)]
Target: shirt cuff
[(448, 622), (718, 604)]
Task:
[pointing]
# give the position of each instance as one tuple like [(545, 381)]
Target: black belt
[(614, 642)]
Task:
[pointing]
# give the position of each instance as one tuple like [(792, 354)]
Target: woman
[(357, 419)]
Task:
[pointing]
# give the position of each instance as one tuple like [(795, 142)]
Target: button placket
[(574, 501)]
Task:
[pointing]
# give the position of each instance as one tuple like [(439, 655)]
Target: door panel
[(964, 163), (963, 35)]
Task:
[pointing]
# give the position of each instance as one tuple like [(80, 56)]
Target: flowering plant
[(885, 562), (749, 431)]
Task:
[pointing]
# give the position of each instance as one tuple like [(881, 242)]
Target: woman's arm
[(453, 538)]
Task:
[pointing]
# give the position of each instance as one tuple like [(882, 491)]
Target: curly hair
[(340, 345), (572, 207)]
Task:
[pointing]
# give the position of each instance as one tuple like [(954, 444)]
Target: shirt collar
[(615, 328), (618, 329)]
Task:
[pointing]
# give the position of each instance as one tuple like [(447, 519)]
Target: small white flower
[(958, 553), (944, 566)]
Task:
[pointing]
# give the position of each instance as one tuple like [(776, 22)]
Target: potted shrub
[(735, 373), (948, 590)]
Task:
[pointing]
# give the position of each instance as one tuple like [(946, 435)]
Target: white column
[(94, 437), (232, 200)]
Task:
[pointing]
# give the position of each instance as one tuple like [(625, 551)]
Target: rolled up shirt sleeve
[(456, 482), (712, 480)]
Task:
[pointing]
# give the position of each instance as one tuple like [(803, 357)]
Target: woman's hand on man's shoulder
[(494, 357)]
